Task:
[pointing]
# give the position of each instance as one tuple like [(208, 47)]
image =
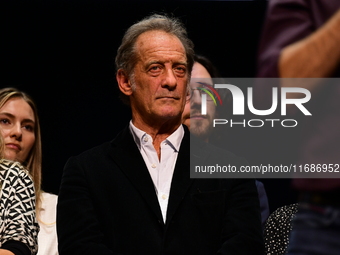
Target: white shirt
[(47, 238), (161, 171)]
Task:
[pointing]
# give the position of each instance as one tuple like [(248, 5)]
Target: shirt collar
[(174, 139)]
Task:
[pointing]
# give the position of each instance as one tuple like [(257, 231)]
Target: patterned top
[(17, 206), (277, 229)]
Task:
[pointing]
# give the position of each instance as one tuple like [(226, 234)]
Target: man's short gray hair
[(127, 57)]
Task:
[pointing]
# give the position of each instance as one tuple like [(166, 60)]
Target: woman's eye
[(4, 121), (28, 127)]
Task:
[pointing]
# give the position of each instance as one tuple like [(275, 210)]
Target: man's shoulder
[(104, 148), (94, 151)]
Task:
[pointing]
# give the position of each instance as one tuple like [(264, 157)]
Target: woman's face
[(17, 125)]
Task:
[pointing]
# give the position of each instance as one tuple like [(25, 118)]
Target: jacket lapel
[(181, 178), (127, 156)]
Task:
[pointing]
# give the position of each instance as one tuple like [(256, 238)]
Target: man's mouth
[(198, 116), (168, 96)]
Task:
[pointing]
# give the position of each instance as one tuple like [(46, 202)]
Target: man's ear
[(124, 83)]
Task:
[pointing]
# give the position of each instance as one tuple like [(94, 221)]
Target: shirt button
[(145, 139), (164, 196), (153, 166)]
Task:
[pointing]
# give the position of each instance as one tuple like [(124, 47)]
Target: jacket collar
[(127, 156)]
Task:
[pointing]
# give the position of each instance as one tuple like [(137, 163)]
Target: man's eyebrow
[(204, 84), (181, 63), (154, 62), (162, 62), (148, 64)]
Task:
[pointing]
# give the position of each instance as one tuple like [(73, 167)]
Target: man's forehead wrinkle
[(164, 50), (163, 56), (149, 36)]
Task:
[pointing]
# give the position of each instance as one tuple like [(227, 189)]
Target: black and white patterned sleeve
[(18, 220)]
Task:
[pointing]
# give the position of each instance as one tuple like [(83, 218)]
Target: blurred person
[(18, 225), (134, 195), (301, 40), (20, 128), (202, 73), (201, 125)]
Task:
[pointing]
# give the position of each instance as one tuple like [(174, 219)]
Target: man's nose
[(196, 98), (169, 80)]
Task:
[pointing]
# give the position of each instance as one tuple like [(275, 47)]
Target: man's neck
[(159, 131)]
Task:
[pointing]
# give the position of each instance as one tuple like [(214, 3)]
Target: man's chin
[(169, 111), (199, 130)]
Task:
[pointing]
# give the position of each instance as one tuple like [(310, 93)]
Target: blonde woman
[(18, 225), (20, 129)]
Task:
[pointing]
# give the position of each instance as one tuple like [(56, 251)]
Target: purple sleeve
[(264, 206), (286, 22)]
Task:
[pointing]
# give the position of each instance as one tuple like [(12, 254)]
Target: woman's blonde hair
[(1, 147), (34, 158)]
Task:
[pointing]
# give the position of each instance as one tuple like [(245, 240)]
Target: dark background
[(62, 54)]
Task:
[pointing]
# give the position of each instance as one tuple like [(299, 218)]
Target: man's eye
[(155, 68), (208, 88), (208, 92), (181, 69)]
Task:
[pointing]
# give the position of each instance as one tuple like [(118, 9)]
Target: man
[(201, 78), (202, 75), (301, 40), (133, 195)]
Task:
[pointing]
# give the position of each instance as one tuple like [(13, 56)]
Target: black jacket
[(108, 205)]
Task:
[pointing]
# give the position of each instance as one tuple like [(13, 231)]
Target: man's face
[(199, 124), (160, 78)]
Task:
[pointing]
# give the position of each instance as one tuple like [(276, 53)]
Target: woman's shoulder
[(12, 168), (9, 164)]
